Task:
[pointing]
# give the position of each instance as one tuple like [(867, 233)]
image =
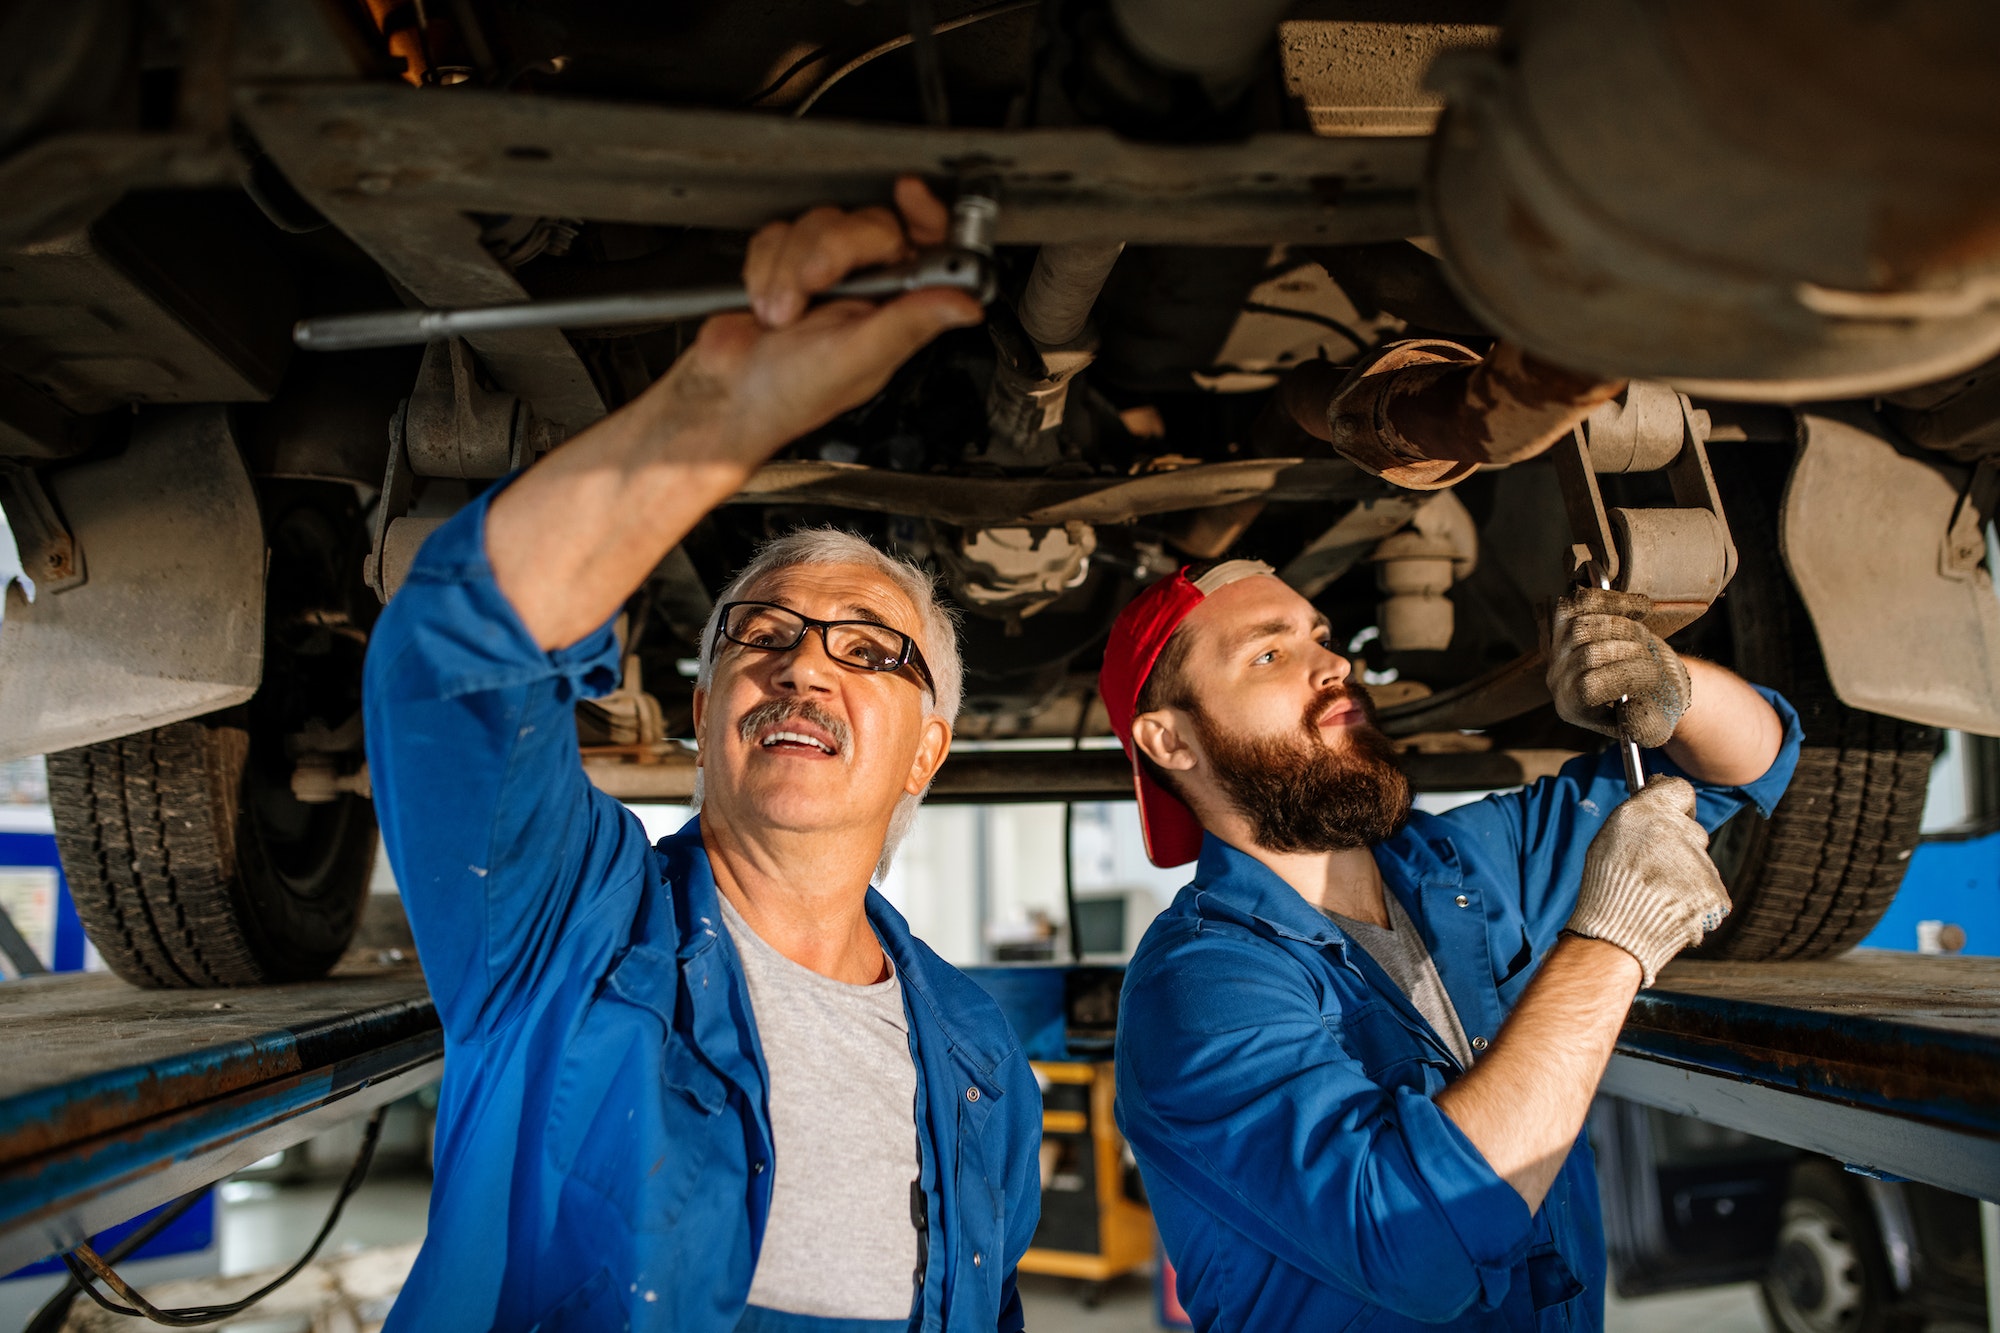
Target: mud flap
[(1903, 604), (169, 621)]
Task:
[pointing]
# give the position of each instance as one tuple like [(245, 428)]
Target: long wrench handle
[(959, 269)]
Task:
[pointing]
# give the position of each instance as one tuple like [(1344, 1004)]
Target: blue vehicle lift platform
[(114, 1099), (1889, 1062)]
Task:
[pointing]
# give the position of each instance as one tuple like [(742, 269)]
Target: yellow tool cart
[(1092, 1226)]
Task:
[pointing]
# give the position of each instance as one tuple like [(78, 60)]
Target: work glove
[(1599, 652), (1648, 885)]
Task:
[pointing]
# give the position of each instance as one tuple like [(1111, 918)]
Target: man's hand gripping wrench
[(1628, 749), (965, 263)]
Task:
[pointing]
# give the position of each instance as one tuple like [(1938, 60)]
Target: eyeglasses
[(856, 643)]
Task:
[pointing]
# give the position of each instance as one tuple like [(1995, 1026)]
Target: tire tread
[(147, 858)]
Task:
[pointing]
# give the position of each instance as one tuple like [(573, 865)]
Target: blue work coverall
[(1277, 1086), (603, 1142)]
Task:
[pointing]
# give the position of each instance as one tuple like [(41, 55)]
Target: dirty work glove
[(1599, 651), (1648, 885)]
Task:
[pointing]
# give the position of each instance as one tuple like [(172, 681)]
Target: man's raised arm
[(1649, 890), (579, 531), (1648, 887), (505, 853)]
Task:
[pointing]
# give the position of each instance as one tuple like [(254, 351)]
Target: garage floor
[(265, 1225), (1128, 1308)]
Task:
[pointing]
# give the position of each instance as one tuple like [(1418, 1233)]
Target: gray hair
[(936, 633)]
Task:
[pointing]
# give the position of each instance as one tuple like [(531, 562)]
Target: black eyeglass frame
[(910, 656)]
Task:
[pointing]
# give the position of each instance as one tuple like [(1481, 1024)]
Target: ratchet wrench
[(1628, 749), (964, 264)]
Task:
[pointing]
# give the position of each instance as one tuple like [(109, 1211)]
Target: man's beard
[(1302, 795)]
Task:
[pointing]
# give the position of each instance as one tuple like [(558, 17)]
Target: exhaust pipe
[(1030, 390), (1424, 414)]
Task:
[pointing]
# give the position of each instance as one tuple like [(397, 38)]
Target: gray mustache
[(774, 711)]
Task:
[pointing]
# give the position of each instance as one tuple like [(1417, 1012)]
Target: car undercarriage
[(1434, 308)]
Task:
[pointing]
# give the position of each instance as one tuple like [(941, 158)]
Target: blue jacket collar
[(939, 995), (1230, 881), (1421, 855), (945, 994), (696, 900)]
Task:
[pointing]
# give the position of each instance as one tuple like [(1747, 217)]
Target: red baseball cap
[(1173, 834)]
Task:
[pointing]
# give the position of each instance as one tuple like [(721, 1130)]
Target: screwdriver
[(965, 264)]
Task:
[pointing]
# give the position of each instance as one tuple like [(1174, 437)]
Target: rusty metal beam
[(66, 180), (63, 181), (1001, 501), (1012, 776), (437, 257), (434, 253), (361, 149)]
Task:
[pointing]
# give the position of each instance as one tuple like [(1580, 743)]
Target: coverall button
[(1462, 900), (977, 1258), (757, 1167), (972, 1094), (1479, 1043)]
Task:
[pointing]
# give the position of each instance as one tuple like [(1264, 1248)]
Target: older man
[(711, 1084), (1355, 1054)]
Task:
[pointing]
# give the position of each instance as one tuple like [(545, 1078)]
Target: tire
[(1812, 880), (189, 859), (1829, 1273), (176, 879)]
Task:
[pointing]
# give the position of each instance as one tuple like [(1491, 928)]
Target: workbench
[(115, 1099)]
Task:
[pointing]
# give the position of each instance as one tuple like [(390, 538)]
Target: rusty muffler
[(1424, 413)]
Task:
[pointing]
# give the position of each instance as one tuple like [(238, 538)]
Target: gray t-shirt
[(841, 1242), (1400, 951)]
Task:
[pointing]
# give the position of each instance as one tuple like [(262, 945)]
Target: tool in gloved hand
[(1649, 886), (1612, 675), (965, 263)]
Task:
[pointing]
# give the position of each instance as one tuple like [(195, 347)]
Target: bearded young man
[(712, 1085), (1355, 1054)]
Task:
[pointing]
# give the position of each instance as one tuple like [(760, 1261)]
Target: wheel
[(178, 876), (190, 859), (1813, 879), (1828, 1273)]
